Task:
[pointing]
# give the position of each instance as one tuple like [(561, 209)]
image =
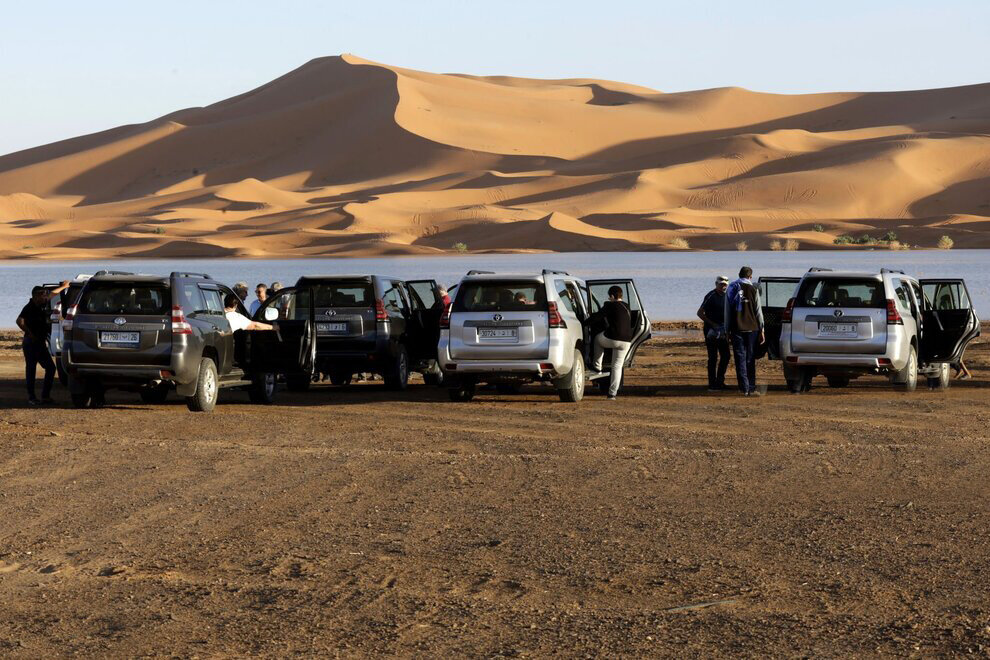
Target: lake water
[(671, 284)]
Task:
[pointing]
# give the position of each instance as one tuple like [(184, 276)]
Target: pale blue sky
[(69, 68)]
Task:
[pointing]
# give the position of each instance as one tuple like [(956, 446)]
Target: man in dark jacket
[(744, 323), (35, 321), (618, 336), (712, 313)]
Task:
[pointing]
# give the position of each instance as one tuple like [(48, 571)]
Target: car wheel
[(397, 375), (263, 388), (571, 389), (942, 380), (434, 378), (838, 381), (207, 388), (155, 394), (463, 392), (907, 378), (298, 382)]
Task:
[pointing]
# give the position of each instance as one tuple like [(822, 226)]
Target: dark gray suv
[(149, 334)]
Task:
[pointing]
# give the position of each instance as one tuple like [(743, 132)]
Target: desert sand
[(349, 157), (359, 522)]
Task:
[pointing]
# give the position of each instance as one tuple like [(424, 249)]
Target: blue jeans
[(744, 348), (36, 353)]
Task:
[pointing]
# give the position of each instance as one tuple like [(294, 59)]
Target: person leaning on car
[(712, 313), (237, 320), (35, 321)]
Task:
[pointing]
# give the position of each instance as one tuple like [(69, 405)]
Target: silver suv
[(508, 330), (845, 324)]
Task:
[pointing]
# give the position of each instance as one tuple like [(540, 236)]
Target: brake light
[(788, 312), (180, 326), (445, 317), (893, 316), (553, 316), (380, 314), (69, 315)]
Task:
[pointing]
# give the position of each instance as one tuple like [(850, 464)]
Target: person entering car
[(618, 336), (237, 320)]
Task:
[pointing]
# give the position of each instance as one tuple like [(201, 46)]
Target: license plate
[(837, 328), (498, 333), (331, 327), (120, 337)]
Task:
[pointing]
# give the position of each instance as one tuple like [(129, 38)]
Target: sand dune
[(348, 157)]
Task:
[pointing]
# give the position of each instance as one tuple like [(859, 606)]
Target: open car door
[(291, 347), (598, 294), (775, 292), (949, 322), (427, 307)]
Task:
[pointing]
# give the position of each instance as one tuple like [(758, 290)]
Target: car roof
[(827, 274), (498, 277), (363, 276), (155, 279)]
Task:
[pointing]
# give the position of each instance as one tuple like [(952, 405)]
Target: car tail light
[(546, 366), (445, 317), (180, 326), (893, 316), (791, 359), (788, 312), (884, 362), (451, 366), (380, 314), (69, 315), (554, 317)]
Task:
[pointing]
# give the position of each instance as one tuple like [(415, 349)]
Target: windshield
[(841, 292), (126, 298), (501, 296), (338, 294)]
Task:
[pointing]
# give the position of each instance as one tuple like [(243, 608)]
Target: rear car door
[(840, 314), (775, 292), (427, 307), (598, 294), (291, 347), (123, 322), (949, 321)]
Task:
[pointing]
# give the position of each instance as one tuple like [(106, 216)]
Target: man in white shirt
[(262, 292), (237, 320)]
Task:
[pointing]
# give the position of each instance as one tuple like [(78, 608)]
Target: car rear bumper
[(866, 362), (501, 368)]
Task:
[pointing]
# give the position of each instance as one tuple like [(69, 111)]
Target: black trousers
[(718, 360), (36, 353)]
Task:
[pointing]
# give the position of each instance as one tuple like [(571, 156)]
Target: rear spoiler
[(178, 274)]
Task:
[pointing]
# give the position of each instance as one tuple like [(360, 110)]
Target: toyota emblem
[(837, 313), (497, 317), (330, 312), (120, 320)]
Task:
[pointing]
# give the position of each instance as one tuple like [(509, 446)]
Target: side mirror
[(271, 314)]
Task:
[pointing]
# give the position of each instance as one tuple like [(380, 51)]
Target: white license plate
[(498, 333), (120, 337), (331, 327), (837, 328)]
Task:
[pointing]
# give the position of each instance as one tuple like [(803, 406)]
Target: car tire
[(571, 388), (298, 382), (906, 379), (263, 388), (838, 381), (800, 380), (207, 388), (433, 378), (340, 379), (941, 382), (397, 374), (463, 392), (156, 394)]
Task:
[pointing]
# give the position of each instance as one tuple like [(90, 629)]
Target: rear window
[(126, 298), (501, 296), (339, 294), (841, 292)]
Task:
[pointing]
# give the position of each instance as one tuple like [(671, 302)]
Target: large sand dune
[(344, 156)]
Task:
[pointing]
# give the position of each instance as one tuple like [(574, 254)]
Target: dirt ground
[(361, 522)]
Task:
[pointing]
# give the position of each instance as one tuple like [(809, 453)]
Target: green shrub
[(818, 228), (776, 245), (945, 243), (680, 243), (159, 230), (844, 239), (459, 247), (791, 244), (742, 246), (889, 237)]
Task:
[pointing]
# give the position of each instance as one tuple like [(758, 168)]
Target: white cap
[(721, 278)]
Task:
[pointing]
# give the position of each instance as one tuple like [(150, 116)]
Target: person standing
[(618, 335), (744, 323), (261, 291), (35, 321), (241, 289), (275, 287), (712, 314)]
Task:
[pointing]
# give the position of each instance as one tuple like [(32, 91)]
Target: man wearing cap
[(712, 314), (744, 323), (35, 321)]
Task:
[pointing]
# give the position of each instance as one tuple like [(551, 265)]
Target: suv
[(512, 329), (845, 324), (371, 323), (149, 333)]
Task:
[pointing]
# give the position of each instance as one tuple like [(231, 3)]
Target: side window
[(566, 298), (393, 300), (902, 294), (946, 295), (213, 301), (576, 297), (223, 293), (191, 299)]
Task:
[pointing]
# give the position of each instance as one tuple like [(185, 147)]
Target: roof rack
[(891, 270), (816, 269), (481, 272), (547, 271), (112, 272), (178, 274)]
